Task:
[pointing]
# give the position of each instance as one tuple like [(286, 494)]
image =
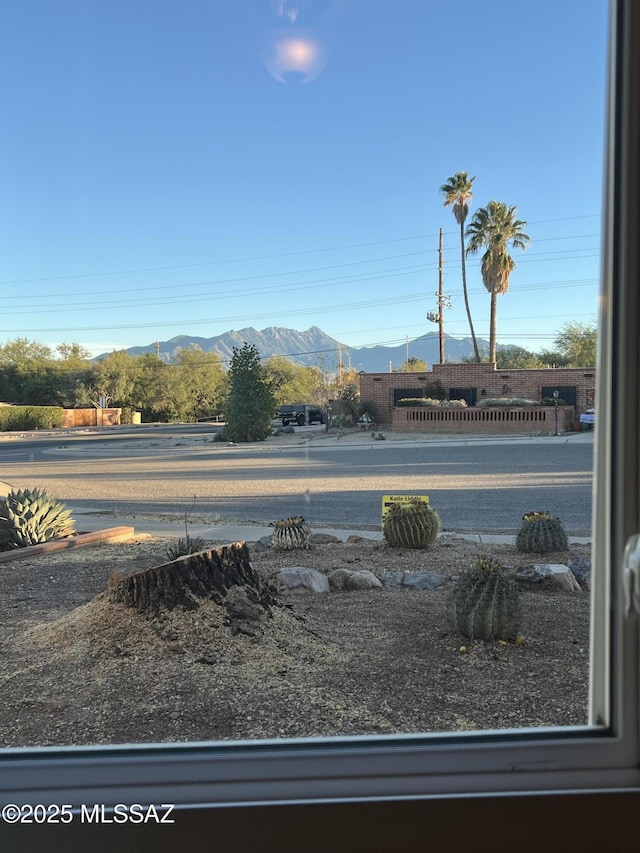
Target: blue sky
[(158, 180)]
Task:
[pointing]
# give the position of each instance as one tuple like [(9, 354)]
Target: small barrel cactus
[(540, 533), (485, 602), (32, 516), (413, 524), (290, 534)]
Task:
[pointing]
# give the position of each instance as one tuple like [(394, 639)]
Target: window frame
[(601, 756)]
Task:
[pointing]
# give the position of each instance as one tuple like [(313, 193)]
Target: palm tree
[(458, 192), (496, 228)]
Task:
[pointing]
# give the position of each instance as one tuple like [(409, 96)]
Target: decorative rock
[(392, 579), (356, 540), (581, 568), (301, 576), (362, 580), (423, 580), (549, 573), (345, 579), (323, 539), (338, 577), (240, 606), (261, 546)]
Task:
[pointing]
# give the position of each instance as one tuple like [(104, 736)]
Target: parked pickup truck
[(301, 414)]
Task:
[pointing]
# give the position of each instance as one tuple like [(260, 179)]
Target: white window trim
[(602, 756)]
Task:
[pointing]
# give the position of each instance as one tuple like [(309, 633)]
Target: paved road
[(482, 486)]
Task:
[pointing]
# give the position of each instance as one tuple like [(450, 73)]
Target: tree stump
[(186, 581)]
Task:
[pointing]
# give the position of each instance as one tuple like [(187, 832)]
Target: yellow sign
[(388, 500)]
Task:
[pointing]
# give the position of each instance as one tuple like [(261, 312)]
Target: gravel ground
[(75, 668)]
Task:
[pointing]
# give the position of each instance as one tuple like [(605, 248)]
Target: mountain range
[(315, 348)]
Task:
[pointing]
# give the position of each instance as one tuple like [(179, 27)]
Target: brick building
[(474, 382)]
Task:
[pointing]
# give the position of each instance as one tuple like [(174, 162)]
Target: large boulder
[(423, 580), (549, 575), (346, 579), (296, 577)]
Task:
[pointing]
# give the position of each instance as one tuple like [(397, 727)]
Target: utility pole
[(407, 350), (442, 300), (157, 349), (440, 318)]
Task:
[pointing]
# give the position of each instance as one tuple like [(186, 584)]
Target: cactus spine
[(540, 534), (413, 524), (290, 534), (32, 516), (485, 602)]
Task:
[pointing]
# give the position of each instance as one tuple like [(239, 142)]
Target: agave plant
[(32, 516), (183, 547)]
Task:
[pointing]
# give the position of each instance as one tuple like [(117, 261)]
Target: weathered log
[(190, 579)]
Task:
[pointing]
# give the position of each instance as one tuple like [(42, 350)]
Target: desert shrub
[(436, 390), (183, 547), (29, 417), (368, 407), (509, 402), (431, 403)]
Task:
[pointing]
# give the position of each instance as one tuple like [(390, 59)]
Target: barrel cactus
[(540, 534), (32, 516), (290, 534), (413, 524), (485, 602)]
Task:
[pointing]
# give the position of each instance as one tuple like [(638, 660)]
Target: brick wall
[(90, 417), (485, 378), (538, 419)]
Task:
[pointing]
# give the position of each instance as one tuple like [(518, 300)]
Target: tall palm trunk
[(466, 295), (493, 327)]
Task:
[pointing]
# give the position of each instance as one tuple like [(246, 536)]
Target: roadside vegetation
[(196, 385)]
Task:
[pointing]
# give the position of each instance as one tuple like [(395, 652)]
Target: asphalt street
[(475, 486)]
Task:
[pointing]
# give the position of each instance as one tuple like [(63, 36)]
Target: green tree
[(458, 193), (577, 344), (496, 228), (152, 393), (73, 353), (518, 358), (291, 382), (413, 365), (113, 378), (21, 352), (71, 367), (27, 375), (199, 382), (251, 405)]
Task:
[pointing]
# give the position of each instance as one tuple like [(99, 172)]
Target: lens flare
[(293, 55)]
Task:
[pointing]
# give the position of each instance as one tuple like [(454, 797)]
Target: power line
[(360, 278), (70, 277)]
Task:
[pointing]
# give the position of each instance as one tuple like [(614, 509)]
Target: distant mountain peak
[(312, 348)]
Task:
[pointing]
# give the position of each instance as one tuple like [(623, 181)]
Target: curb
[(111, 534)]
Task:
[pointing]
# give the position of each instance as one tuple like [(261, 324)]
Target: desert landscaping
[(77, 667)]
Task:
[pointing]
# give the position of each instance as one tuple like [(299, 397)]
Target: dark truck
[(301, 414)]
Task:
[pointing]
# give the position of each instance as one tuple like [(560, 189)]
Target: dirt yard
[(77, 669)]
